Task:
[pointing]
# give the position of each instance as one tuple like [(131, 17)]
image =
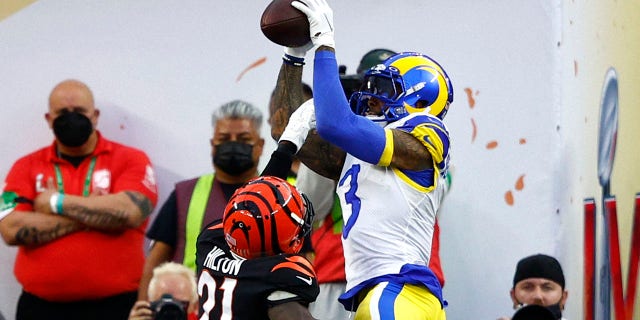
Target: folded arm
[(113, 212), (23, 228)]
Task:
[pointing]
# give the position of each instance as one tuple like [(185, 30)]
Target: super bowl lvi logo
[(101, 182), (604, 270)]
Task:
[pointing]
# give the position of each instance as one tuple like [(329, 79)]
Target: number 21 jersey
[(234, 288)]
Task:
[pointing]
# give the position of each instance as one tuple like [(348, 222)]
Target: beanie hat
[(539, 266)]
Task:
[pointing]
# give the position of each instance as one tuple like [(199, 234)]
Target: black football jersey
[(238, 289)]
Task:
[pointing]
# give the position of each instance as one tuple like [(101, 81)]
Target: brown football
[(285, 25)]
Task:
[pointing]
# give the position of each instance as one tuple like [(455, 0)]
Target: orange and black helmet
[(267, 216)]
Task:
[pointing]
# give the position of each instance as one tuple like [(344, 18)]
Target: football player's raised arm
[(335, 121), (316, 153), (286, 98)]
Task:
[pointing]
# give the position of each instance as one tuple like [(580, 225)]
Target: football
[(285, 25)]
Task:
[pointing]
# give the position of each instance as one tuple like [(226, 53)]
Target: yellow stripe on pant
[(390, 301)]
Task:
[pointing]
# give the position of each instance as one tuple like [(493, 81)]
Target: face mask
[(556, 310), (233, 158), (72, 129)]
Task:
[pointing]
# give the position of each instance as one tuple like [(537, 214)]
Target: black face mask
[(233, 158), (556, 310), (72, 129)]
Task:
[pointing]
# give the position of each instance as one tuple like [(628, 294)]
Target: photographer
[(172, 294)]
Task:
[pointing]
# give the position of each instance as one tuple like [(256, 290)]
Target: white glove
[(300, 122), (320, 18), (298, 52)]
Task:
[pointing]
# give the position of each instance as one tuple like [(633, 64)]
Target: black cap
[(533, 312), (539, 266)]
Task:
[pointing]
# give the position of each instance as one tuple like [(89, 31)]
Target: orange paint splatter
[(520, 183), (492, 145), (474, 130), (251, 66), (508, 198), (470, 99), (522, 141)]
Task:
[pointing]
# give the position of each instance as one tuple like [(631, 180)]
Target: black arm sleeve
[(281, 160)]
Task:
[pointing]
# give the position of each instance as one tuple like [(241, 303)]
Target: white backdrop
[(158, 69)]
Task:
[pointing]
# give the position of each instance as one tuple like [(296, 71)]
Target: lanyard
[(87, 180)]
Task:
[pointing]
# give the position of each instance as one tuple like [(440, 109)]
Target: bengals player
[(248, 266)]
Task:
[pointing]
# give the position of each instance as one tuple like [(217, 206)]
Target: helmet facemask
[(384, 84)]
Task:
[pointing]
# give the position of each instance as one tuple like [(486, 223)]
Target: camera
[(168, 308)]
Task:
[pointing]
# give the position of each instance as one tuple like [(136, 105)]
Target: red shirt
[(327, 246), (85, 264), (434, 261)]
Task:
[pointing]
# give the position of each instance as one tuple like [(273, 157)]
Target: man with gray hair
[(236, 147)]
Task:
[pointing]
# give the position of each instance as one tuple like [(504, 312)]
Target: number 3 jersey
[(389, 213), (234, 288)]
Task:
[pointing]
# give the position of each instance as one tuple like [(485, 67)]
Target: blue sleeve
[(335, 121)]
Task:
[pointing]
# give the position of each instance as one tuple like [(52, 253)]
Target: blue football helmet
[(400, 82)]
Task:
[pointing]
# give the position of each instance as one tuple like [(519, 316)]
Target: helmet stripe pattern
[(266, 216)]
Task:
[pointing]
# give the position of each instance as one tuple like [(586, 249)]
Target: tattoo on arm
[(321, 156), (142, 202), (110, 217), (34, 236), (102, 218), (409, 153), (287, 97)]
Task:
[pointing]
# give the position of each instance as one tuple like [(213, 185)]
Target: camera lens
[(167, 308)]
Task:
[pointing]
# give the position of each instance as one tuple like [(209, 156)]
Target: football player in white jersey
[(388, 149)]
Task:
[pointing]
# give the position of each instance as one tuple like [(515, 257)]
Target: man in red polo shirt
[(77, 209)]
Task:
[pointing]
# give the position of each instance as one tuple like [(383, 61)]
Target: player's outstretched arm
[(287, 97), (290, 311), (316, 153)]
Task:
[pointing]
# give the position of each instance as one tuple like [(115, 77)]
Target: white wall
[(158, 68)]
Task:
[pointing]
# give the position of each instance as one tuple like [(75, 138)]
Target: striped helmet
[(267, 216)]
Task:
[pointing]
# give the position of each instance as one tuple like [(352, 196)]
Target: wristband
[(53, 202), (292, 60), (59, 200)]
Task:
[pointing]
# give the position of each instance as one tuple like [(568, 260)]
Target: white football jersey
[(389, 214)]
